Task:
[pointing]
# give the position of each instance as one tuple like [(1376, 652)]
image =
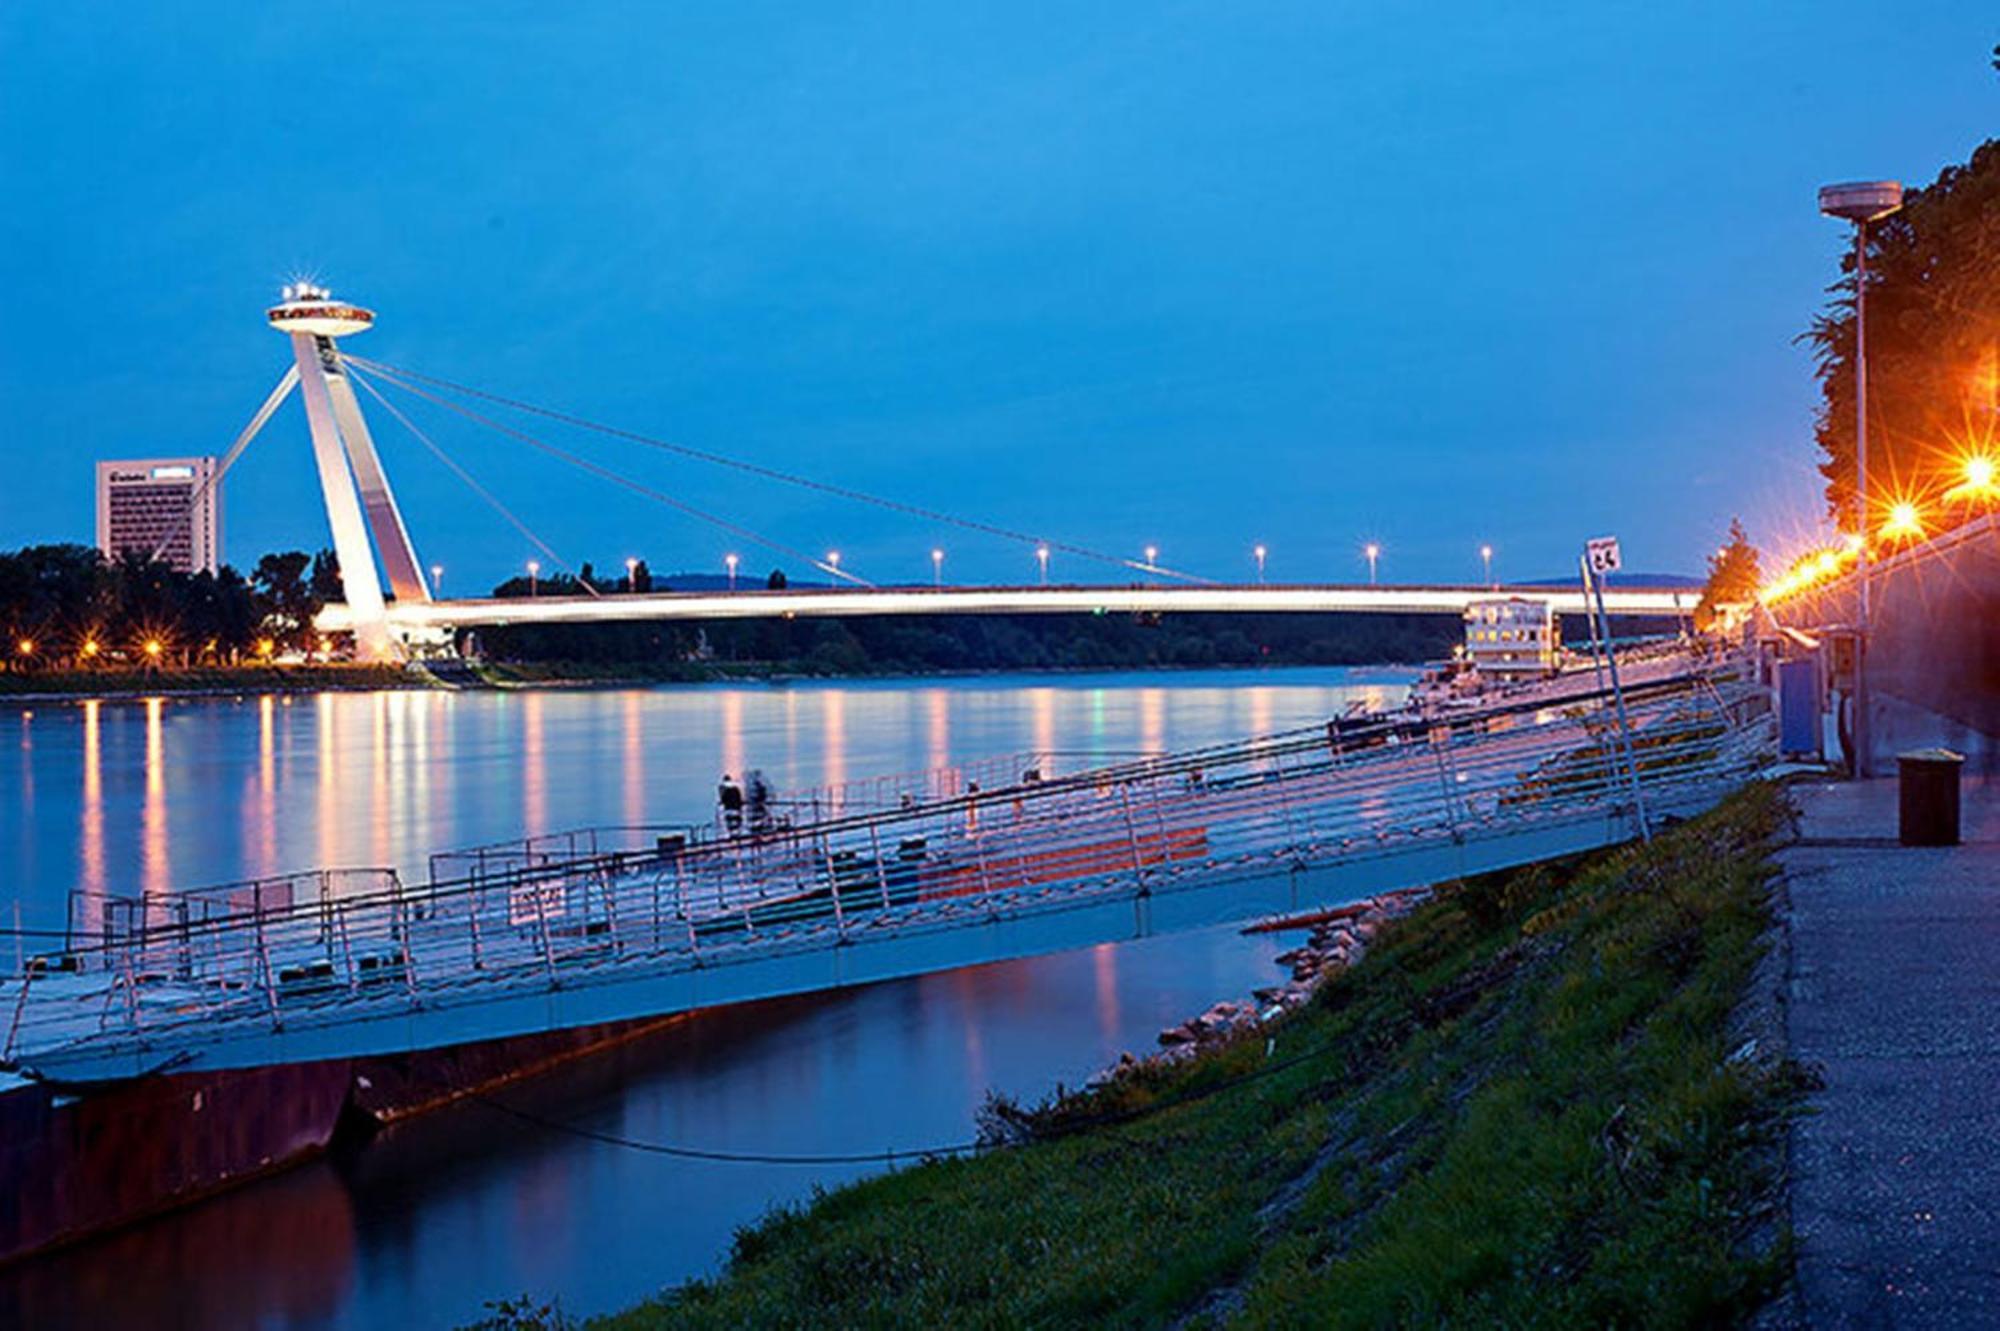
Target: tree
[(1733, 577), (285, 597), (776, 582), (325, 581), (642, 577), (1933, 342)]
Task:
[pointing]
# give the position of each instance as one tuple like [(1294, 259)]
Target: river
[(436, 1216)]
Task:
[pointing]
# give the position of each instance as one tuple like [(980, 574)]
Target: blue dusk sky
[(1199, 275)]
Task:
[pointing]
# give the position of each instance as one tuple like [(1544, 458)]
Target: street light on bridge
[(937, 567), (1486, 558), (1374, 553), (534, 575), (1042, 558), (631, 574), (1259, 552), (729, 562), (833, 561), (1861, 202)]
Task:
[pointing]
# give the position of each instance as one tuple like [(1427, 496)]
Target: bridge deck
[(322, 966), (864, 602)]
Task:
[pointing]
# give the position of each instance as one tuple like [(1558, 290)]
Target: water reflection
[(448, 1211)]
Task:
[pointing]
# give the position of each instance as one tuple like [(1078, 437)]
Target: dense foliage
[(1734, 575), (69, 606), (1933, 344), (989, 642)]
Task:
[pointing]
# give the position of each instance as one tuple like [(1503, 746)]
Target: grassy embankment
[(1521, 1109)]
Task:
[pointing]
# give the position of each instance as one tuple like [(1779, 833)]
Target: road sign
[(1603, 554)]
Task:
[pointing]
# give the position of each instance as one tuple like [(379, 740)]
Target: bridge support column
[(360, 584)]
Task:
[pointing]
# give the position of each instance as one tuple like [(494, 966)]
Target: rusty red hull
[(73, 1166)]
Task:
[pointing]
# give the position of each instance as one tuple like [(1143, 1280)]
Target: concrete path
[(1894, 990)]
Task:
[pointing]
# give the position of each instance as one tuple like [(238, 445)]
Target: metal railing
[(602, 903)]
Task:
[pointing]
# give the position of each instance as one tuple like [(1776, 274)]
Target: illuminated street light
[(1259, 552), (534, 576), (153, 647), (1042, 558), (937, 567), (833, 561), (437, 578), (1861, 202), (25, 646), (729, 562), (90, 647), (1980, 481), (1374, 553), (1904, 522), (1486, 558), (631, 575)]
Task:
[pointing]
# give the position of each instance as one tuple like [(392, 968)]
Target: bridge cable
[(286, 383), (791, 478), (475, 486), (618, 478)]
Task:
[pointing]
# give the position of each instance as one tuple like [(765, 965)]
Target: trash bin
[(1927, 805)]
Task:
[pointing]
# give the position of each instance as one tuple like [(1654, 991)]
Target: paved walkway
[(1894, 990)]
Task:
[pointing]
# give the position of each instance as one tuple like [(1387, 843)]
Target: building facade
[(169, 505), (1512, 637)]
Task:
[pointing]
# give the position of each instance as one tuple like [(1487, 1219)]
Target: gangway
[(616, 924)]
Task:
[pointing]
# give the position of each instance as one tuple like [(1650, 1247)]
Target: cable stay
[(788, 478), (286, 383), (472, 483), (617, 478)]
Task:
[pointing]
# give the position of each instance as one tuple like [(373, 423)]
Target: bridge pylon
[(358, 498)]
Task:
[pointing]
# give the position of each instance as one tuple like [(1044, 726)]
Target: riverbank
[(513, 676), (1526, 1103)]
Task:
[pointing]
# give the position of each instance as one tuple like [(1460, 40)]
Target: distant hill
[(1615, 580)]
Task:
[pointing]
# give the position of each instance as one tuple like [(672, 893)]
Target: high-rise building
[(169, 505)]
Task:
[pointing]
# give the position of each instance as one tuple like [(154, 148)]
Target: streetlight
[(534, 574), (1861, 202), (1374, 553), (1042, 558), (937, 567), (729, 562), (833, 561), (1486, 558), (631, 574), (437, 578), (1259, 552)]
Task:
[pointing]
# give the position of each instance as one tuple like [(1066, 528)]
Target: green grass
[(1519, 1111)]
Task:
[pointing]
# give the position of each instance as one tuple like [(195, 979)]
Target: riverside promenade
[(1893, 992)]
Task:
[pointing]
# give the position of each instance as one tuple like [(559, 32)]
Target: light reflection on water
[(466, 1205)]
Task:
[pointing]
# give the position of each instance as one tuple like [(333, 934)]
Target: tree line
[(69, 606)]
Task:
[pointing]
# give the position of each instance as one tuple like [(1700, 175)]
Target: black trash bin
[(1927, 805)]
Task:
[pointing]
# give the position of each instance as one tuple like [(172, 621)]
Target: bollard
[(1927, 797)]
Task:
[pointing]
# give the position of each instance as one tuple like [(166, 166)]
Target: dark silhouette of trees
[(1933, 342)]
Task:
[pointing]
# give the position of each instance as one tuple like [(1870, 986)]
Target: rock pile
[(1339, 938)]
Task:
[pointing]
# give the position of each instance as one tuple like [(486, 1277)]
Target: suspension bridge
[(877, 881), (375, 548)]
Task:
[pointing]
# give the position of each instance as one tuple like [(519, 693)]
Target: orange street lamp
[(90, 647), (25, 646), (1904, 522), (152, 647)]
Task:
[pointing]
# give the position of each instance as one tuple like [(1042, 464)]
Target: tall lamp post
[(1486, 558), (1042, 558), (534, 575), (1260, 552), (729, 562), (1374, 552), (437, 579), (1861, 202), (937, 567)]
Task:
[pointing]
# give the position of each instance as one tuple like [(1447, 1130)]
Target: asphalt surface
[(1893, 991)]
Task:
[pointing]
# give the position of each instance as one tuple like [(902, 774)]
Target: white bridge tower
[(358, 499)]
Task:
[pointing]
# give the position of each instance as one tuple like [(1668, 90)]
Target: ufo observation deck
[(313, 310)]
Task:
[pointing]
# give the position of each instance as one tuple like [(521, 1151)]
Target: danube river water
[(431, 1219)]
